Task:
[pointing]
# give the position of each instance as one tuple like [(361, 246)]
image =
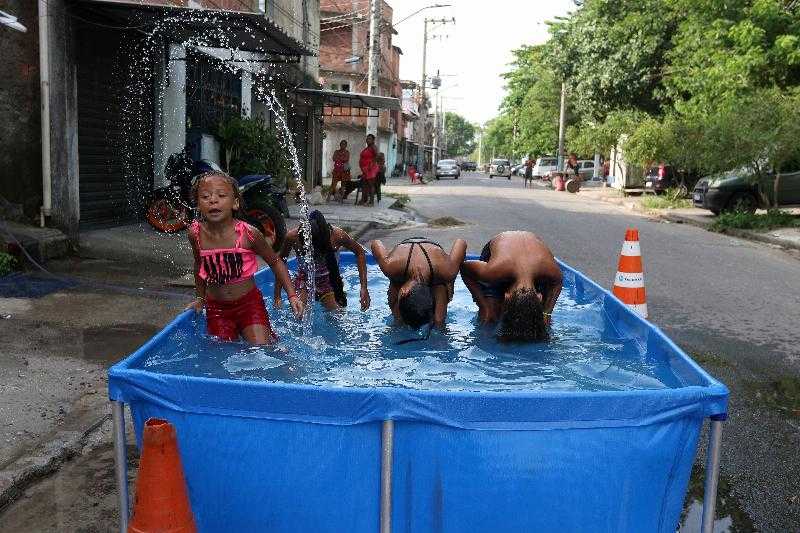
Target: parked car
[(586, 169), (515, 170), (447, 167), (659, 178), (469, 166), (500, 167), (544, 166), (741, 190)]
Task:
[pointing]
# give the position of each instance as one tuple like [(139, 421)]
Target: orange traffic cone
[(162, 504), (629, 282)]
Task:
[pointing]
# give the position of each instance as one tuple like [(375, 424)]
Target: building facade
[(122, 84), (343, 66)]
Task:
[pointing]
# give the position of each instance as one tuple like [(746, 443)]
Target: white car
[(500, 167), (544, 166), (447, 167), (586, 169)]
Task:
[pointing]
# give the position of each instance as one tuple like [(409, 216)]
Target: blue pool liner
[(295, 457)]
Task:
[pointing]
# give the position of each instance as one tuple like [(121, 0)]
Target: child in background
[(328, 285), (225, 251)]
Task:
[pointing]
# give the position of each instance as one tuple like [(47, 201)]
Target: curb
[(731, 232), (44, 460)]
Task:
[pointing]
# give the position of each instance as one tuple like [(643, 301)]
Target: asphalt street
[(733, 304)]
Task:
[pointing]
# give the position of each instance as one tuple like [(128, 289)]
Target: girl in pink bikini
[(225, 251)]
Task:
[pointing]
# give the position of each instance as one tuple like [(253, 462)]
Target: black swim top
[(420, 241)]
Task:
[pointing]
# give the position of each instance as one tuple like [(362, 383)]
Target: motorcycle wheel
[(165, 217), (270, 222)]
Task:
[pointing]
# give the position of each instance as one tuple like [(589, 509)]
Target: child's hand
[(297, 306), (197, 304), (364, 299), (277, 303)]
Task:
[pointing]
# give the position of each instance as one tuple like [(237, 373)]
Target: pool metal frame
[(387, 458)]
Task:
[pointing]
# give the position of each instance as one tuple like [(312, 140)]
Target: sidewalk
[(356, 216), (783, 237)]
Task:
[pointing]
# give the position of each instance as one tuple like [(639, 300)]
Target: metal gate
[(115, 127)]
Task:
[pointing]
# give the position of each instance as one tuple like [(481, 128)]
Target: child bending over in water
[(225, 251), (326, 241)]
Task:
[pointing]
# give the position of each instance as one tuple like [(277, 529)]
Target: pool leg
[(712, 476), (387, 448), (121, 463)]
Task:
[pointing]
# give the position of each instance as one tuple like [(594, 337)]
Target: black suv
[(469, 165)]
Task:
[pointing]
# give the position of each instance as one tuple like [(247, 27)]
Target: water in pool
[(355, 349)]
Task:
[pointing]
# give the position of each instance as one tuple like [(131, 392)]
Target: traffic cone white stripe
[(629, 280), (631, 248), (639, 309)]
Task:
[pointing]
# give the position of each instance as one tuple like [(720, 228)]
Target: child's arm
[(199, 283), (456, 257), (288, 244), (342, 238), (262, 248)]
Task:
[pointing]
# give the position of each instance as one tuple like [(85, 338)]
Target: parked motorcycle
[(171, 208)]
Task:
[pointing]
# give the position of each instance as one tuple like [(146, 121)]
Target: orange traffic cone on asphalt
[(629, 281), (162, 502)]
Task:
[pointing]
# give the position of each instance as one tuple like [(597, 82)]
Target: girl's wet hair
[(230, 181), (523, 318), (321, 242), (416, 309)]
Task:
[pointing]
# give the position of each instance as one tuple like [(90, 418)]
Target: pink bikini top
[(227, 265)]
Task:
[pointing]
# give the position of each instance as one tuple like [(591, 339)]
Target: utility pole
[(374, 60), (562, 124), (480, 149), (434, 154), (421, 154), (444, 131)]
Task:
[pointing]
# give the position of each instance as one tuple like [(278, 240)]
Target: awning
[(337, 103), (252, 32), (253, 62)]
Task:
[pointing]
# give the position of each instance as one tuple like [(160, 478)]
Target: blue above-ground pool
[(595, 430)]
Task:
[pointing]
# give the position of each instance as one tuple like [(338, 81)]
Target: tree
[(612, 53), (459, 134)]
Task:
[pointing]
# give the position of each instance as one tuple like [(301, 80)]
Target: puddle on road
[(730, 517), (109, 344)]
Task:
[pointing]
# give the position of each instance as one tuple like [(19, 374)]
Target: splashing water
[(138, 66)]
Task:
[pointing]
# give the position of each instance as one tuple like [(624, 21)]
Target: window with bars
[(212, 93)]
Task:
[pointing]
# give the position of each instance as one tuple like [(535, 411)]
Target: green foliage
[(460, 134), (250, 147), (774, 218), (671, 199), (7, 263), (704, 85), (612, 53)]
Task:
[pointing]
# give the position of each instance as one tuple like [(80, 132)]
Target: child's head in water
[(217, 196), (523, 318), (416, 307)]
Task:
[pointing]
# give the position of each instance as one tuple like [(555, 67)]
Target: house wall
[(20, 118)]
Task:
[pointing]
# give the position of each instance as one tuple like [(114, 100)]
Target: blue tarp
[(289, 457)]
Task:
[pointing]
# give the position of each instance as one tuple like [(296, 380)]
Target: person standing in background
[(369, 169), (341, 169)]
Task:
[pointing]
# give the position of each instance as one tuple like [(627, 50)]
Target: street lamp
[(418, 10), (7, 19)]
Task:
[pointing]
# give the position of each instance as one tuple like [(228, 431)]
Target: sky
[(471, 54)]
